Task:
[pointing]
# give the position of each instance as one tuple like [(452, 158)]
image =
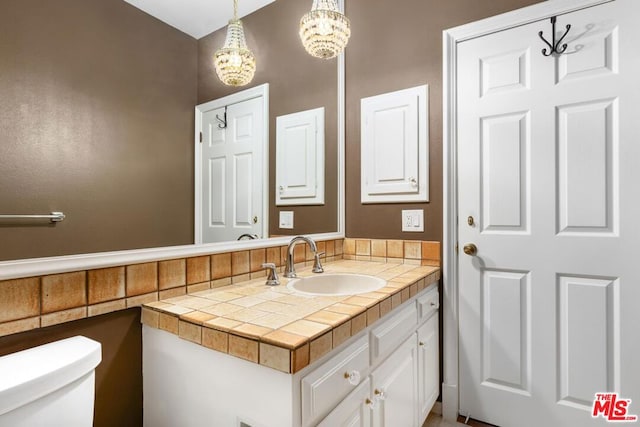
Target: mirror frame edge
[(31, 267)]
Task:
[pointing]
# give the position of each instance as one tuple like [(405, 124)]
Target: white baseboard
[(450, 402)]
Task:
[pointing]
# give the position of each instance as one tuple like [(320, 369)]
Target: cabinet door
[(353, 411), (394, 388), (428, 366), (394, 147), (300, 158)]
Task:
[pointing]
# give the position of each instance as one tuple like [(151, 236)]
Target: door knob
[(353, 377), (380, 394), (470, 249)]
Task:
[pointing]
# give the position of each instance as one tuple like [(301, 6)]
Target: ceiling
[(197, 17)]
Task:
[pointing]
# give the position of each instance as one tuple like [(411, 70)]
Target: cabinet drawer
[(326, 386), (392, 332), (428, 304)]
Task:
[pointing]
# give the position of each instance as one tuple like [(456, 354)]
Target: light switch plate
[(286, 219), (413, 220)]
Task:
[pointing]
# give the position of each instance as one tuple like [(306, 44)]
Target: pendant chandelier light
[(324, 31), (234, 62)]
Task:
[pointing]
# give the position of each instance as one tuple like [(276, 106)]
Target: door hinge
[(200, 136)]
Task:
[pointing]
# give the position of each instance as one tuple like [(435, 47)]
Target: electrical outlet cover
[(413, 220), (286, 219)]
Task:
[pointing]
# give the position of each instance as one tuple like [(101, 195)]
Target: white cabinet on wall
[(395, 147), (300, 158)]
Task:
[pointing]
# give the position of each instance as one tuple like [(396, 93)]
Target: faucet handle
[(317, 265), (272, 277)]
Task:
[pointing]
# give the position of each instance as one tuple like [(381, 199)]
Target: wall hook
[(223, 121), (554, 47)]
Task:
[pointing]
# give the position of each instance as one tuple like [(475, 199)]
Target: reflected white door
[(232, 171), (548, 169)]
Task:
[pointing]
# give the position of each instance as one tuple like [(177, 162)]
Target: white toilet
[(51, 385)]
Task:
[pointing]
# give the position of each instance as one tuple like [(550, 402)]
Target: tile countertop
[(278, 327)]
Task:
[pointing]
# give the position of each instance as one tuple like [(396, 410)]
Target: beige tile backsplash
[(172, 274), (34, 302), (220, 266), (19, 299), (141, 278), (198, 269)]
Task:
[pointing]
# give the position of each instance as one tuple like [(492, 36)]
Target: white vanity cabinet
[(386, 375), (404, 381)]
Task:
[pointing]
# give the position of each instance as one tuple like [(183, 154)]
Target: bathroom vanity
[(369, 360)]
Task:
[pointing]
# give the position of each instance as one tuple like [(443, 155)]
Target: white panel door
[(548, 151), (300, 158), (394, 146), (232, 171)]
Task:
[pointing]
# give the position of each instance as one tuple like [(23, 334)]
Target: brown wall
[(119, 375), (396, 45), (297, 82), (96, 120)]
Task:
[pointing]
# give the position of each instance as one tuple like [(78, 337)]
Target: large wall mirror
[(97, 121)]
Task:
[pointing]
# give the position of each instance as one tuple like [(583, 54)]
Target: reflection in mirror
[(297, 82), (231, 164), (97, 120)]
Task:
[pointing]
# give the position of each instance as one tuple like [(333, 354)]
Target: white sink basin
[(336, 284)]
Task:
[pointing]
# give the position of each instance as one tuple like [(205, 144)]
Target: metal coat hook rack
[(223, 121), (554, 47)]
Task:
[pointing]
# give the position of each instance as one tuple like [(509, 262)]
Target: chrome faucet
[(289, 269)]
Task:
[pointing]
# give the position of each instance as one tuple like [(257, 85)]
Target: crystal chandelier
[(324, 31), (234, 62)]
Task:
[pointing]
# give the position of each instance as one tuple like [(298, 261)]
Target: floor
[(435, 420)]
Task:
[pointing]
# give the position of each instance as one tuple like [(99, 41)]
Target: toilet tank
[(50, 385)]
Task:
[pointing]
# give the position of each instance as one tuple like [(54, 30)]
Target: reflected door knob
[(470, 249)]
